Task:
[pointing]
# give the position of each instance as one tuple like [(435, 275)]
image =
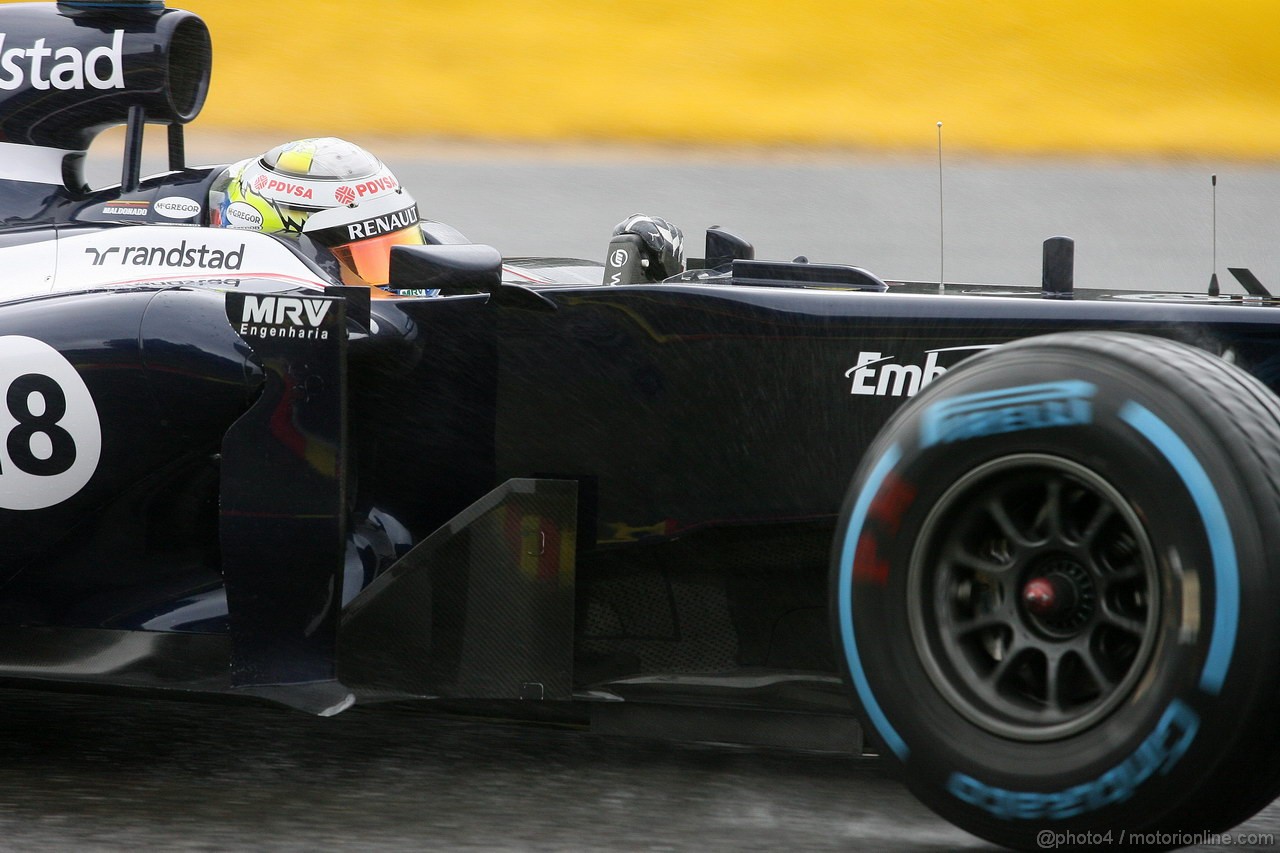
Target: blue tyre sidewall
[(1168, 460)]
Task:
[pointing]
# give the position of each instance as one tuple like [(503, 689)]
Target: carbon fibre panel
[(481, 609)]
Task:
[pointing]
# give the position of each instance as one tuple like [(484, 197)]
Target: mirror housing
[(458, 269), (451, 269), (724, 247)]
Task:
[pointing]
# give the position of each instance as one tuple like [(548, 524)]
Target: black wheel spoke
[(1049, 518), (1128, 624), (1006, 524), (1053, 675), (979, 564), (982, 622), (1042, 579), (1099, 676), (1123, 575), (1101, 515), (1003, 667)]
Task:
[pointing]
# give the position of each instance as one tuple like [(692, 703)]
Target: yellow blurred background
[(1174, 77)]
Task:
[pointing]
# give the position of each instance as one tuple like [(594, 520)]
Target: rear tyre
[(1054, 596)]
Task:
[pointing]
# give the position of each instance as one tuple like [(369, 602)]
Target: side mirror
[(725, 247), (439, 234), (450, 269), (453, 270)]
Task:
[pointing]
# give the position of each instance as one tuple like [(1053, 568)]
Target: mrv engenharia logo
[(284, 317), (43, 67)]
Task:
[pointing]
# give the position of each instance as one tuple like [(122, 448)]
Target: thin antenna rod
[(1213, 276), (942, 251)]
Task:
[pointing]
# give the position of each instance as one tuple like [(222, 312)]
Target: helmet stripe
[(297, 160)]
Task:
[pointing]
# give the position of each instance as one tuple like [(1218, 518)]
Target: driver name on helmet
[(336, 193)]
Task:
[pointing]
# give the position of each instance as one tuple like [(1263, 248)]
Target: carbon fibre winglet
[(1250, 282)]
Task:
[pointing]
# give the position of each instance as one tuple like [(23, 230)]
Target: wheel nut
[(1040, 596)]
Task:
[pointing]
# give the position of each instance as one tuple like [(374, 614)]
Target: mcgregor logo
[(241, 214), (101, 68), (176, 207)]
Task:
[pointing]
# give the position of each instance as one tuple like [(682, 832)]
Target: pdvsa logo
[(287, 188), (348, 195), (375, 186), (284, 317), (101, 68), (883, 376)]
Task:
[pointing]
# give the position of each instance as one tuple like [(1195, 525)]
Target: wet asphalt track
[(112, 773), (123, 773)]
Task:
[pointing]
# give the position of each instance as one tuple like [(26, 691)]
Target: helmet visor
[(361, 236), (368, 261)]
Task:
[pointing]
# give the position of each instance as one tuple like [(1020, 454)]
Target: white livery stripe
[(525, 274), (32, 163)]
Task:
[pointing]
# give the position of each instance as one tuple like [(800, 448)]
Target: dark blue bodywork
[(553, 490)]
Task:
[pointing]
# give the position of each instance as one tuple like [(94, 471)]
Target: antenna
[(1213, 277), (942, 250)]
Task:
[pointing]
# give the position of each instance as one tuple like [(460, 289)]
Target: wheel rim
[(1033, 597)]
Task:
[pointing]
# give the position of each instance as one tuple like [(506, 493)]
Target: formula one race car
[(1019, 537)]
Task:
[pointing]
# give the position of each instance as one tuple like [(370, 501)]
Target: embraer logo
[(873, 375), (101, 68), (284, 317)]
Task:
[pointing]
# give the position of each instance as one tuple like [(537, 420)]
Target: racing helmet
[(662, 242), (284, 189)]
